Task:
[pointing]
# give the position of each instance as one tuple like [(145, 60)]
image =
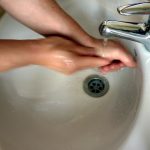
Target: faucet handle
[(139, 32), (130, 27), (135, 9)]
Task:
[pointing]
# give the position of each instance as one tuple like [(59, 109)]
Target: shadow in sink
[(42, 109)]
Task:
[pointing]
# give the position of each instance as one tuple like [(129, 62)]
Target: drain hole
[(96, 86)]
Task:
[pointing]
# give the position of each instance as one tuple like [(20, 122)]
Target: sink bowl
[(43, 109)]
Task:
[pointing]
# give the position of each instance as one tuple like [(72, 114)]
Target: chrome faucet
[(139, 32)]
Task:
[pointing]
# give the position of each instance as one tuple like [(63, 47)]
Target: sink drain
[(96, 86)]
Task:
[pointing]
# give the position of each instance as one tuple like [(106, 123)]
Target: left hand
[(116, 53)]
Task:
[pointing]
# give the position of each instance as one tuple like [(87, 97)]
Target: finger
[(90, 62), (124, 57), (116, 51), (112, 67), (108, 69), (115, 65)]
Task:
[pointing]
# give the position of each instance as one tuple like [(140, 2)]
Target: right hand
[(63, 55), (67, 56)]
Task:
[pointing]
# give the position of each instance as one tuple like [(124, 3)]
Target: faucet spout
[(138, 32)]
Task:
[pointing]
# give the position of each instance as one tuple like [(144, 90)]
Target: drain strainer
[(96, 86)]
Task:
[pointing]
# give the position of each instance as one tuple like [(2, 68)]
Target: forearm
[(46, 17), (62, 55), (15, 53)]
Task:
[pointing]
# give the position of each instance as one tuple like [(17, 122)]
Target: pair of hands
[(70, 51), (68, 56), (64, 55)]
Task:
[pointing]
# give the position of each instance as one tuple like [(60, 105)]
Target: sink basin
[(43, 109)]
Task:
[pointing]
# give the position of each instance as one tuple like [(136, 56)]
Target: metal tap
[(139, 32)]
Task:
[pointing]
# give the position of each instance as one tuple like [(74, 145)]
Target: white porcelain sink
[(41, 109)]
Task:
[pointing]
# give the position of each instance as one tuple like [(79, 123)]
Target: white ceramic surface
[(43, 109)]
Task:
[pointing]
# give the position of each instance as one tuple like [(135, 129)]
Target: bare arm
[(15, 53), (55, 53), (59, 54), (46, 17)]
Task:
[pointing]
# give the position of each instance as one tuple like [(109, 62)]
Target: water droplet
[(105, 42)]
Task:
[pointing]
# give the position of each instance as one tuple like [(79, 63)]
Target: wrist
[(39, 50), (33, 51)]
